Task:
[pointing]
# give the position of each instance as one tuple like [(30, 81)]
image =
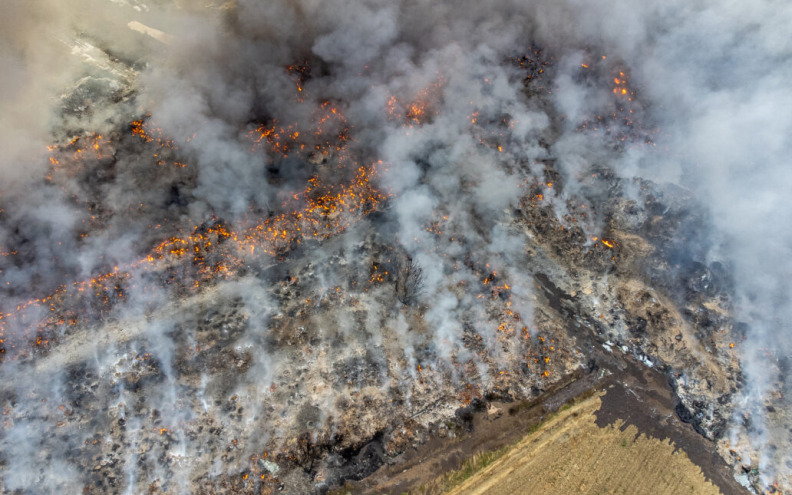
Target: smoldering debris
[(296, 240)]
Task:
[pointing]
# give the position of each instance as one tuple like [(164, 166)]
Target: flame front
[(213, 250)]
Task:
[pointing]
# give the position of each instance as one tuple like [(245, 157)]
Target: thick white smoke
[(714, 75)]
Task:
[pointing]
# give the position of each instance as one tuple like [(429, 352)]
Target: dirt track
[(571, 454)]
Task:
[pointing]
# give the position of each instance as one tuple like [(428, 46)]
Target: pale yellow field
[(571, 454)]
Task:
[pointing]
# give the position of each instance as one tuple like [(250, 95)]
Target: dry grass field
[(571, 454)]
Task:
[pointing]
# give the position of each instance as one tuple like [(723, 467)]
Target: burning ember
[(211, 251)]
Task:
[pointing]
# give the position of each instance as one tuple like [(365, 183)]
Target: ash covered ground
[(249, 248)]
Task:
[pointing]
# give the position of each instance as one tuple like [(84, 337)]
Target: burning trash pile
[(286, 251)]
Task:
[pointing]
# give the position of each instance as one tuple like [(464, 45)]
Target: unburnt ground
[(571, 454)]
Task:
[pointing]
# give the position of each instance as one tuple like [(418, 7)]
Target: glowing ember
[(419, 110), (213, 251)]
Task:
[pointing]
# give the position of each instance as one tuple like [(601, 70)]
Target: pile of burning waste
[(291, 293)]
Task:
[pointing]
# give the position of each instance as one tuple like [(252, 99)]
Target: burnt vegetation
[(409, 285), (296, 344)]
